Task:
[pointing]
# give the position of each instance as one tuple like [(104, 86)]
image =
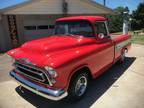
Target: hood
[(54, 44), (47, 51)]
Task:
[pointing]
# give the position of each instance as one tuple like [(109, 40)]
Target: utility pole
[(104, 2)]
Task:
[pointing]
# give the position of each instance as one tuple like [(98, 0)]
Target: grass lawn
[(138, 39)]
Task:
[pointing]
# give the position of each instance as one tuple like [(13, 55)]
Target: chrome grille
[(31, 72)]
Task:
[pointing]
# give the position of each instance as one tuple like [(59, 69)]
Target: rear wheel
[(78, 86), (123, 56)]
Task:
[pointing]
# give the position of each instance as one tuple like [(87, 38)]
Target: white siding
[(39, 7), (5, 42), (82, 7), (55, 7)]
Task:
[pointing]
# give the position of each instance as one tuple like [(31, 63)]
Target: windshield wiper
[(68, 34)]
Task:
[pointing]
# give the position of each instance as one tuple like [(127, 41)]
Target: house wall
[(5, 41), (1, 37)]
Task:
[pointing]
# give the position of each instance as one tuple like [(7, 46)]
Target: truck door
[(106, 45)]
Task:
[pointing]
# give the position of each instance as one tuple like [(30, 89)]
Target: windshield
[(74, 28)]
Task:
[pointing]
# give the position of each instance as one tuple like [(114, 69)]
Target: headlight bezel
[(51, 71)]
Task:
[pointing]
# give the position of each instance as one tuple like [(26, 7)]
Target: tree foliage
[(138, 17), (115, 22)]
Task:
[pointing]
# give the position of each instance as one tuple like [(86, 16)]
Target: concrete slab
[(9, 97)]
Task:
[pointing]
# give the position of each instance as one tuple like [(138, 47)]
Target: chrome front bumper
[(44, 92)]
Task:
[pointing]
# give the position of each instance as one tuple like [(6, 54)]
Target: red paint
[(68, 54), (88, 18)]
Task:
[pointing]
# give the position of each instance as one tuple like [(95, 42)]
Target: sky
[(7, 3), (132, 4)]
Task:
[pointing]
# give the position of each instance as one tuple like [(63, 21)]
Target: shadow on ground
[(96, 89)]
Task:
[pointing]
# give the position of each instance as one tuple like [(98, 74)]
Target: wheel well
[(83, 69)]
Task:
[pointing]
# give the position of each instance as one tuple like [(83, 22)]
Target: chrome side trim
[(121, 45), (44, 92)]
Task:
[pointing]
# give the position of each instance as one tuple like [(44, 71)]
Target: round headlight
[(51, 71)]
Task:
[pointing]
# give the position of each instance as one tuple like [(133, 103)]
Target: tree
[(138, 17), (115, 22)]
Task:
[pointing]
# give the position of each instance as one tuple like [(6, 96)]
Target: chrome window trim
[(106, 27), (105, 22)]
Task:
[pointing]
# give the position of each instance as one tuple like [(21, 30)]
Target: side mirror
[(101, 35)]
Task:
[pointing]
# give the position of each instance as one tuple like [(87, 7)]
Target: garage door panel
[(33, 34), (37, 29)]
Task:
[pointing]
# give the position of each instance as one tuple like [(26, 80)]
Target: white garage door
[(34, 29)]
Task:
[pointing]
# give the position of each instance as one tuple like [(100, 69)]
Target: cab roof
[(88, 18)]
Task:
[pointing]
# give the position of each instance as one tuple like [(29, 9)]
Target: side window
[(42, 27), (30, 27), (101, 29)]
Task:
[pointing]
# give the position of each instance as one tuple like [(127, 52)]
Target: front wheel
[(78, 86)]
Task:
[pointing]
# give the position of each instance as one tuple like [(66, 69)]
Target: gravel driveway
[(122, 86)]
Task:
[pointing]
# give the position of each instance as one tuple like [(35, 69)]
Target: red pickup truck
[(61, 65)]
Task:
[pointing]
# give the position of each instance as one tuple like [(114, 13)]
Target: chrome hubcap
[(81, 86)]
